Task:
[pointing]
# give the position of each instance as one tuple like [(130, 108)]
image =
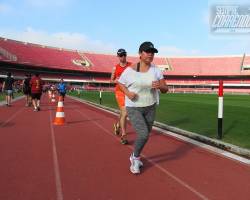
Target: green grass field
[(197, 113), (2, 95)]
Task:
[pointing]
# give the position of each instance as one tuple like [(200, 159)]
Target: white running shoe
[(136, 163)]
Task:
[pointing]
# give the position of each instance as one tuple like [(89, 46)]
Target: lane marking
[(165, 171), (11, 117), (209, 148), (214, 150), (58, 182)]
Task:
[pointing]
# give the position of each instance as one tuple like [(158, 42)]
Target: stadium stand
[(54, 63), (206, 66), (38, 55)]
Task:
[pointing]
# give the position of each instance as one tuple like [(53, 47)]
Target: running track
[(83, 160)]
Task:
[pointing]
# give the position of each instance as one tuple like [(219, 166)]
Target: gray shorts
[(9, 92)]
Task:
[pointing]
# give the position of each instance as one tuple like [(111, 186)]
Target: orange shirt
[(118, 71)]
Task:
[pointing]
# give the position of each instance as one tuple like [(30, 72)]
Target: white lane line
[(211, 149), (178, 180), (11, 117), (58, 182)]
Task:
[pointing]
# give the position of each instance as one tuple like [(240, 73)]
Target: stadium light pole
[(220, 109)]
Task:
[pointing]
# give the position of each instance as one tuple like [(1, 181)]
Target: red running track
[(84, 160)]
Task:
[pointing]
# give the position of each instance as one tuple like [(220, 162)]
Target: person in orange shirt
[(120, 125)]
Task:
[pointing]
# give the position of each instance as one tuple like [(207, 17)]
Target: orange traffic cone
[(60, 117)]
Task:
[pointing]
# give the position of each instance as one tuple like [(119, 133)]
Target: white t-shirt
[(141, 84)]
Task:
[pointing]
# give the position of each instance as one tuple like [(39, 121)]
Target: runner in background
[(62, 88), (27, 89), (8, 88), (120, 125), (36, 85)]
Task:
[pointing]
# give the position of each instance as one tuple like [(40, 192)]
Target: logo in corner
[(230, 18)]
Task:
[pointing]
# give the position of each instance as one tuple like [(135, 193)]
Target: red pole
[(220, 109), (220, 89)]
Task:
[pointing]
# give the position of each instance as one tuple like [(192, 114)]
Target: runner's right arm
[(130, 95), (112, 79)]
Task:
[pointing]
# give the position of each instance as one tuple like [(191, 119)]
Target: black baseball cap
[(121, 52), (147, 47)]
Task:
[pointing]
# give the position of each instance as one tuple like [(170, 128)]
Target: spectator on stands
[(27, 89), (36, 85), (8, 88), (62, 89), (120, 125), (140, 84)]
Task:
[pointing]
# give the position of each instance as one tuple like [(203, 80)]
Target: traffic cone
[(60, 117)]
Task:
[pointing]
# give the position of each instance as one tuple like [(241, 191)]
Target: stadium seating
[(206, 66), (178, 70), (38, 55), (49, 57)]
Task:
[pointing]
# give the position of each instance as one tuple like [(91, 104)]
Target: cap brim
[(119, 54), (154, 50)]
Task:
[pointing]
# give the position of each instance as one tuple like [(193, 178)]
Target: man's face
[(122, 57)]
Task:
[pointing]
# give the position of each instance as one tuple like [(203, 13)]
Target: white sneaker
[(135, 164)]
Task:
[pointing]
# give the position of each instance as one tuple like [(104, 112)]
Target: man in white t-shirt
[(140, 84)]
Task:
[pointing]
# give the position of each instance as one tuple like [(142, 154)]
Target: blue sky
[(177, 27)]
